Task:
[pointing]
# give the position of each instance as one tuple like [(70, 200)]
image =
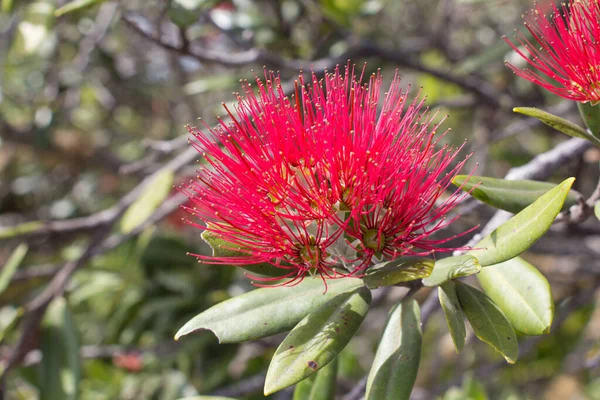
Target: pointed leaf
[(152, 197), (396, 271), (511, 196), (452, 268), (396, 363), (524, 229), (267, 311), (488, 322), (60, 368), (455, 317), (11, 265), (221, 248), (591, 117), (560, 124), (522, 293), (320, 386), (597, 210), (317, 339)]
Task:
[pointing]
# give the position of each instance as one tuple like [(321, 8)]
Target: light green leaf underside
[(394, 370), (521, 231), (317, 339), (267, 311), (452, 268), (397, 271), (522, 293)]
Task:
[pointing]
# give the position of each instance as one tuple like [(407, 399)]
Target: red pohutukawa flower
[(322, 182), (566, 52)]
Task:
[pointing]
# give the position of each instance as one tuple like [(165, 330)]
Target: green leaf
[(60, 368), (522, 293), (184, 13), (152, 197), (452, 268), (320, 386), (591, 116), (488, 322), (221, 248), (21, 229), (512, 196), (75, 5), (597, 210), (7, 6), (455, 317), (9, 316), (396, 271), (317, 339), (396, 363), (11, 265), (267, 311), (521, 231), (206, 398), (560, 124)]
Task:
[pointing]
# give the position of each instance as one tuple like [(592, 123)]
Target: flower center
[(310, 254), (374, 240)]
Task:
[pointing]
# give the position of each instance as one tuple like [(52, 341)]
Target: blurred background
[(94, 97)]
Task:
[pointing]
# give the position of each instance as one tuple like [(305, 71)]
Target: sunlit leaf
[(452, 268), (396, 271), (488, 322), (512, 196), (34, 33), (521, 231), (75, 5), (267, 311), (11, 265), (21, 229), (317, 339), (7, 6), (560, 124), (206, 398), (9, 316), (522, 293), (320, 386), (152, 197), (597, 210), (60, 368), (394, 370), (455, 317)]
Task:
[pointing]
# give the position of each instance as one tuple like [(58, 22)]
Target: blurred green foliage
[(90, 106)]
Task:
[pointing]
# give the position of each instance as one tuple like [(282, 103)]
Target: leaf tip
[(569, 182), (546, 330), (269, 387)]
